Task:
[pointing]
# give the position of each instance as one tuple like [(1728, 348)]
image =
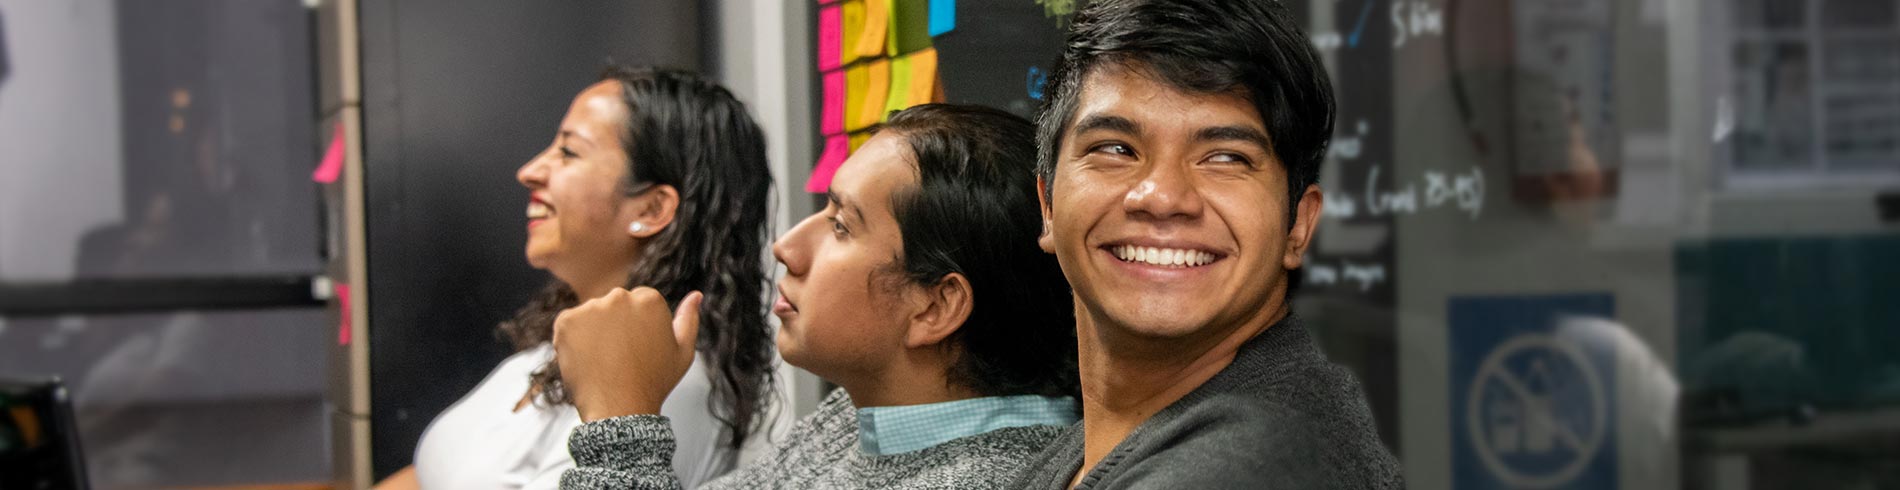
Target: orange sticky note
[(899, 96), (855, 79), (923, 76), (877, 20), (851, 17), (877, 84), (837, 147)]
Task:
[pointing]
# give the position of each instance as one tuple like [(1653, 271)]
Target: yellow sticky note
[(857, 139), (852, 14), (923, 77), (877, 20), (855, 80), (877, 85), (900, 96)]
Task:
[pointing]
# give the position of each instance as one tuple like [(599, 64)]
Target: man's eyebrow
[(1234, 133), (1105, 122), (846, 207)]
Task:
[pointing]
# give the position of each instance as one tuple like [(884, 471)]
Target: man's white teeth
[(1166, 257), (537, 210)]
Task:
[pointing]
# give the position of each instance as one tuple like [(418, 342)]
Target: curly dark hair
[(691, 134)]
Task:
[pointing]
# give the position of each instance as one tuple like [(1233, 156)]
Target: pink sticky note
[(332, 165), (830, 37), (836, 148), (831, 120), (343, 305)]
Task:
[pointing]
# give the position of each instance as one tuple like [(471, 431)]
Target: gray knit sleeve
[(632, 452)]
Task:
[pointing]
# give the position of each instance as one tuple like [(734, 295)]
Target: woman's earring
[(637, 228)]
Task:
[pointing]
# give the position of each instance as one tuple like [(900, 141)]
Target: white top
[(481, 442)]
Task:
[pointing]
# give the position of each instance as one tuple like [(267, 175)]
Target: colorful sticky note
[(830, 37), (857, 140), (331, 166), (910, 26), (855, 80), (343, 305), (837, 147), (831, 116), (923, 77), (877, 84), (851, 16), (899, 96), (877, 20), (943, 16)]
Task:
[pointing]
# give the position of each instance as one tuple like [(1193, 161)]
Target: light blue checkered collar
[(901, 429)]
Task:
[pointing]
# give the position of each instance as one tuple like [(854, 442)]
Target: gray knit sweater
[(1280, 416), (636, 452)]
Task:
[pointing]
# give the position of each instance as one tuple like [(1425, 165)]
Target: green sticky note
[(910, 26), (899, 96)]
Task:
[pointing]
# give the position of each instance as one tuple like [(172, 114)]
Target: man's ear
[(944, 307), (1305, 223), (1047, 241), (653, 210)]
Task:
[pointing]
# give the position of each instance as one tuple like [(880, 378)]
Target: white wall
[(59, 133)]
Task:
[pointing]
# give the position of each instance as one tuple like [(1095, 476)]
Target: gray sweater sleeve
[(632, 452)]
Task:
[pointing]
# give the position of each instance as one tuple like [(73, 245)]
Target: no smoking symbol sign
[(1536, 411)]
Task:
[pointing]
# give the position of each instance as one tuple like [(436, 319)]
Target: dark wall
[(457, 94)]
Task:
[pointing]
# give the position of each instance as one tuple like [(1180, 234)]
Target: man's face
[(840, 317), (1168, 209)]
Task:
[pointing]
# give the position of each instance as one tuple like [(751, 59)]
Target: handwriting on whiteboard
[(1363, 275), (1463, 191), (1415, 19), (1347, 147)]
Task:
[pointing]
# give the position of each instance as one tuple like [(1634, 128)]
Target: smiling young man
[(1179, 156)]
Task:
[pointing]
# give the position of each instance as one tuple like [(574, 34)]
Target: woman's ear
[(653, 210), (945, 306)]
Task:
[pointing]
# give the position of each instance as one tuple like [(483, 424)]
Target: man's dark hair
[(1250, 47), (974, 211)]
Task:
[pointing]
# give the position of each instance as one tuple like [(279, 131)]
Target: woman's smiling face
[(578, 210)]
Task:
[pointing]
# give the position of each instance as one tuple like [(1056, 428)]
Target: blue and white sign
[(1530, 408)]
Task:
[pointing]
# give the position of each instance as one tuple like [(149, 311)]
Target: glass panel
[(187, 398), (156, 139), (1770, 14), (1877, 14), (1774, 121), (1863, 102)]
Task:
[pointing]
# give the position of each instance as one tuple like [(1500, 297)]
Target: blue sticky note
[(943, 16)]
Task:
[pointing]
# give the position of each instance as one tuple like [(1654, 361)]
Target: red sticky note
[(837, 147), (831, 120), (332, 165), (343, 305), (830, 37)]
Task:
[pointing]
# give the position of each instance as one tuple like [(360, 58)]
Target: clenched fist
[(622, 354)]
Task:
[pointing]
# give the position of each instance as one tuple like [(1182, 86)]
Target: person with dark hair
[(655, 179), (1180, 153), (918, 289)]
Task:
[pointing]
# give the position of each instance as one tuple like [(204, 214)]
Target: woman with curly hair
[(655, 179)]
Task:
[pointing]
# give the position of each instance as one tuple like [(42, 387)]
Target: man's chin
[(1157, 323)]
